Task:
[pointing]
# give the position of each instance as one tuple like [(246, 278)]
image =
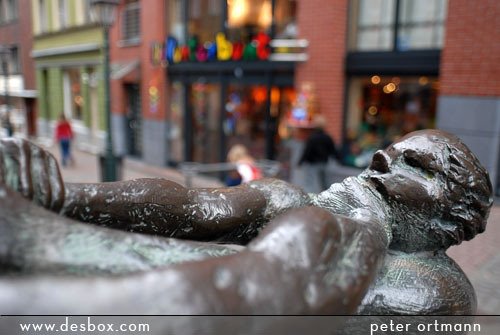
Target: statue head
[(437, 191)]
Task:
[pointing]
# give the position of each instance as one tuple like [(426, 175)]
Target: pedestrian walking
[(319, 150), (64, 136)]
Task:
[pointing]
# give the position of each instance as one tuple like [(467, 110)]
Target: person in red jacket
[(64, 135)]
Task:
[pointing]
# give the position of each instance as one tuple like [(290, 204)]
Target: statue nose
[(380, 162)]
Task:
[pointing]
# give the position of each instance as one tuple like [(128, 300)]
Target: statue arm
[(34, 240), (162, 207), (153, 206), (307, 261)]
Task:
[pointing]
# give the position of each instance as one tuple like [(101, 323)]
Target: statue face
[(408, 173)]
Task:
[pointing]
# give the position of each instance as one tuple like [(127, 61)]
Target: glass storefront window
[(240, 119), (382, 109), (176, 123), (206, 108), (204, 19), (373, 23), (245, 118)]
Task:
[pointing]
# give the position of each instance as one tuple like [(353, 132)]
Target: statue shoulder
[(420, 283)]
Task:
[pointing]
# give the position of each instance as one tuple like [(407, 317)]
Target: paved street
[(479, 258)]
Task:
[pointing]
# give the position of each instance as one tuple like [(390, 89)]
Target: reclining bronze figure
[(151, 246)]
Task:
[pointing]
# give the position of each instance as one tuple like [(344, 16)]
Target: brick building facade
[(469, 102), (16, 35)]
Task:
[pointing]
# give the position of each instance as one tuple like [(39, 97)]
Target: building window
[(383, 108), (14, 63), (387, 25), (131, 29), (246, 18), (73, 99), (86, 11), (43, 16), (204, 19), (63, 13), (284, 19), (421, 24), (239, 19), (175, 13), (12, 60), (8, 11)]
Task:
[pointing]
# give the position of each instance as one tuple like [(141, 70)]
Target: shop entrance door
[(133, 120)]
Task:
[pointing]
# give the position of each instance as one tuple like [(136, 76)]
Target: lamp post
[(103, 12), (4, 56)]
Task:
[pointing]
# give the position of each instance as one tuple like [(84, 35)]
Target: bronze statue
[(362, 246)]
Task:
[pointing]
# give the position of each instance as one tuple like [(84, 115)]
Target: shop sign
[(221, 49)]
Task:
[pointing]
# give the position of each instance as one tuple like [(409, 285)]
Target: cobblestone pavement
[(479, 258)]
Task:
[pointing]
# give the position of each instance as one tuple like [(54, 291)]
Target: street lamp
[(4, 57), (103, 12)]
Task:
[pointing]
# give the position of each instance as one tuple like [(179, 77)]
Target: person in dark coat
[(319, 149)]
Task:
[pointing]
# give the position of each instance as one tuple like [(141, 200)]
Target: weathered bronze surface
[(373, 244)]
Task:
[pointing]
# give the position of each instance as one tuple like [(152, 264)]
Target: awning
[(121, 69)]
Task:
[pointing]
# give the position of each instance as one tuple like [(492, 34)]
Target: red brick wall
[(152, 29), (20, 33), (470, 63), (324, 24)]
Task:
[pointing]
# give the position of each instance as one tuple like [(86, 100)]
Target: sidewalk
[(479, 258), (86, 170)]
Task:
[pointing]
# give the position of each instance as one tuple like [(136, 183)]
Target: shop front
[(381, 109), (217, 107), (392, 70), (225, 85)]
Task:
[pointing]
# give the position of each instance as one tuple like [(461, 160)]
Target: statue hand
[(31, 171)]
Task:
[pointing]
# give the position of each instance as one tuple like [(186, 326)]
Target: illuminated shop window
[(240, 19), (204, 19), (382, 109), (247, 18), (176, 122), (245, 116), (206, 108), (385, 25)]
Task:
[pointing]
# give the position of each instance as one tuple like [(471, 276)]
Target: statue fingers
[(47, 184), (16, 165), (56, 183), (42, 193), (31, 171)]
